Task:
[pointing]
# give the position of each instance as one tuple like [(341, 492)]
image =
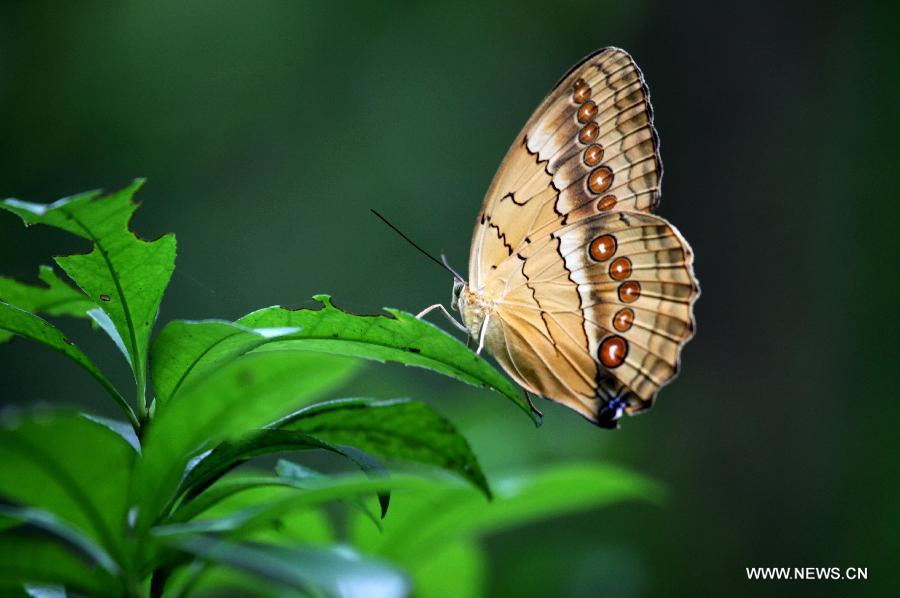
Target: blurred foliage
[(268, 130)]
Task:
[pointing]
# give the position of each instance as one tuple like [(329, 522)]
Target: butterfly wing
[(592, 295), (589, 147)]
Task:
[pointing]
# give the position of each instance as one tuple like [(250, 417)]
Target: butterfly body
[(578, 291)]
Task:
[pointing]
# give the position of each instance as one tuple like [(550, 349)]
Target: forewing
[(589, 148)]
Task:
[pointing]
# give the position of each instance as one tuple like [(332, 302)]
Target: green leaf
[(400, 429), (225, 489), (55, 299), (230, 454), (455, 570), (398, 337), (71, 467), (187, 350), (448, 513), (31, 559), (124, 430), (315, 492), (336, 572), (26, 324), (303, 527), (237, 399), (44, 591), (288, 470), (205, 578), (47, 521), (104, 322), (299, 526), (123, 274)]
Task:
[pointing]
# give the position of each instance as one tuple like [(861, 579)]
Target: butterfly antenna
[(447, 265), (442, 264)]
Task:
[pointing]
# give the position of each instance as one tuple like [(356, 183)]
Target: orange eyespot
[(603, 248), (593, 154), (620, 269), (613, 351), (587, 111), (600, 179), (624, 319), (582, 92), (589, 132), (629, 292), (607, 202)]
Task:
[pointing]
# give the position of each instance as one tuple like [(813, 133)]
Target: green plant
[(156, 505)]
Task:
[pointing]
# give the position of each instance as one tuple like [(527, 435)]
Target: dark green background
[(267, 130)]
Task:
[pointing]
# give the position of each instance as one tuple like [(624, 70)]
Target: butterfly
[(580, 293)]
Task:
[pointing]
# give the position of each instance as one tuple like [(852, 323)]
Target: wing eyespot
[(587, 111), (600, 180), (613, 351), (620, 269), (624, 319), (593, 154), (606, 203), (589, 132), (602, 248), (581, 92), (630, 291)]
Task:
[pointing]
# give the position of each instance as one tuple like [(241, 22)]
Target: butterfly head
[(459, 286)]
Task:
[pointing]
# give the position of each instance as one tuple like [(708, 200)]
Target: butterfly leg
[(443, 309), (482, 334), (530, 404)]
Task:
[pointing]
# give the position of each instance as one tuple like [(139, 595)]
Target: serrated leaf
[(399, 429), (123, 274), (26, 324), (85, 488), (335, 571), (57, 298), (237, 399), (187, 350), (398, 337)]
